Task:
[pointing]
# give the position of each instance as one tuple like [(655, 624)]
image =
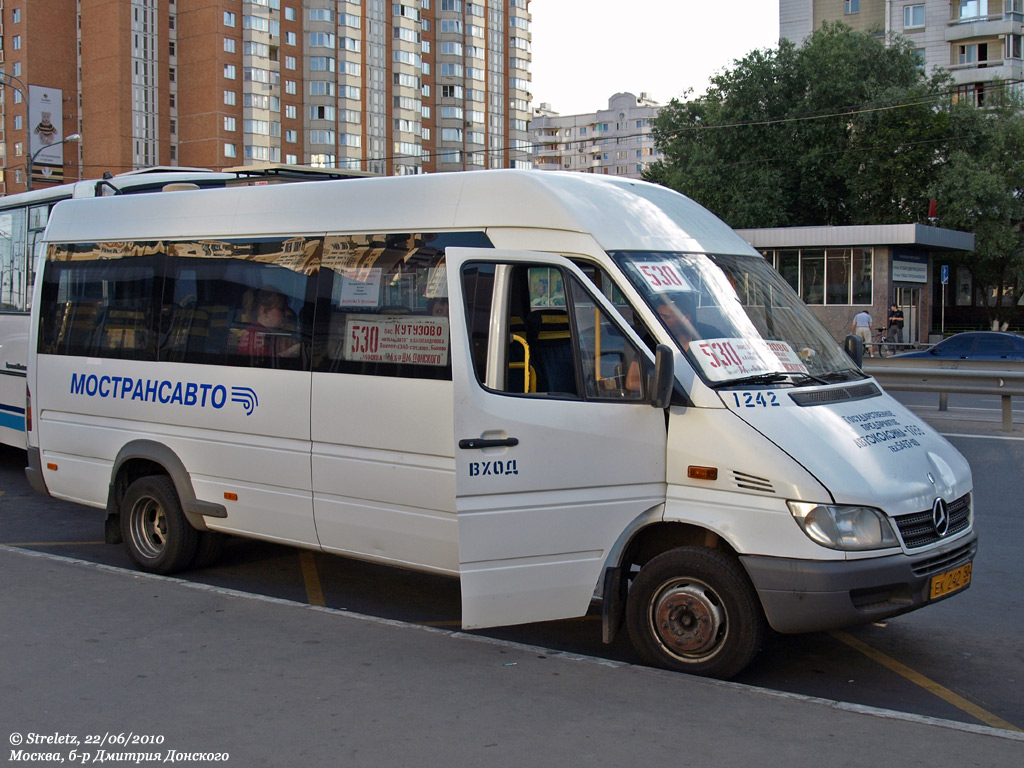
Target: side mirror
[(663, 380), (854, 347)]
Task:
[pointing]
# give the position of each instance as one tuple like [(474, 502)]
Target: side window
[(244, 302), (536, 331), (382, 307), (101, 300)]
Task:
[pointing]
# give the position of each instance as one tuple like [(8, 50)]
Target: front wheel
[(156, 534), (693, 610)]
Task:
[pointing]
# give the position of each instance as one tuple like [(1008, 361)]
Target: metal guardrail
[(968, 377)]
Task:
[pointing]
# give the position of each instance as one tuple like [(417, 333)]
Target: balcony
[(994, 69), (981, 27)]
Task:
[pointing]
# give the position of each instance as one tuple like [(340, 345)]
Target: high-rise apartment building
[(979, 42), (615, 141), (399, 87)]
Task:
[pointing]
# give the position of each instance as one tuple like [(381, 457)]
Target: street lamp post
[(32, 157)]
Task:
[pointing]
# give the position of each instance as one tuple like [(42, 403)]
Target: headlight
[(841, 527)]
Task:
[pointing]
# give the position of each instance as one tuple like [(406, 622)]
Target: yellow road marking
[(314, 592), (929, 685), (49, 543)]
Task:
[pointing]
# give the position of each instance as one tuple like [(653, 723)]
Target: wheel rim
[(688, 619), (149, 527)]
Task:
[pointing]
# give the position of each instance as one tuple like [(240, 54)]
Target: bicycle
[(883, 341)]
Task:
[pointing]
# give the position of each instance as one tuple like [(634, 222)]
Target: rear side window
[(382, 307)]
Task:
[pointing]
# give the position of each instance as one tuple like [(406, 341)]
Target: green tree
[(841, 130), (979, 188)]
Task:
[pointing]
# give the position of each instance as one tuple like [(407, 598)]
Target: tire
[(694, 610), (156, 534), (210, 548)]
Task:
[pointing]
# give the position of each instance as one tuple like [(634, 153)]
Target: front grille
[(844, 394), (918, 530), (932, 565)]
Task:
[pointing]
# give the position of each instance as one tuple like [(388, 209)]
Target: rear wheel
[(156, 534), (693, 610)]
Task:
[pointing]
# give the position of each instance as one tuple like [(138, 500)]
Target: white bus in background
[(555, 387), (23, 218)]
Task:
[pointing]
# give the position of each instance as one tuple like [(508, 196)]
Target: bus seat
[(550, 338)]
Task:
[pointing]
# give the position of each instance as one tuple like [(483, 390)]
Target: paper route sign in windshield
[(724, 359)]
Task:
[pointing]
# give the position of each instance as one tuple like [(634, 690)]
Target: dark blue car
[(975, 345)]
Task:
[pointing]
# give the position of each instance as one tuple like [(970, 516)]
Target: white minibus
[(555, 387)]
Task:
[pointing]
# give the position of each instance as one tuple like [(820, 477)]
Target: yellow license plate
[(946, 583)]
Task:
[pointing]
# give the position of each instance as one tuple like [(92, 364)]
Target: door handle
[(479, 442)]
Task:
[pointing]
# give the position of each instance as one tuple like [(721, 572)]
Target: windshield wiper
[(769, 378)]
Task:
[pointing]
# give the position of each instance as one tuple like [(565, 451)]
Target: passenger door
[(557, 448)]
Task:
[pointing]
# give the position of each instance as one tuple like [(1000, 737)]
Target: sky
[(584, 51)]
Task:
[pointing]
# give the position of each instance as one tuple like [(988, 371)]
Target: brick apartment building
[(371, 85)]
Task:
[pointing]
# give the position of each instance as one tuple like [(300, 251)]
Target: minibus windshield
[(736, 319)]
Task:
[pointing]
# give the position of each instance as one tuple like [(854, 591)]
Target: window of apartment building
[(291, 159), (290, 38), (972, 53), (348, 92), (16, 15), (451, 70), (452, 26), (455, 49), (251, 48), (16, 42), (17, 122), (321, 88), (1015, 9), (348, 20), (451, 134), (409, 35), (321, 137), (291, 136), (322, 112), (260, 127), (349, 44), (913, 16), (230, 124), (229, 45), (230, 150), (229, 19), (454, 113), (851, 6), (290, 87), (291, 112), (321, 40), (451, 91), (353, 68), (229, 98), (321, 14), (289, 14), (1014, 46), (321, 63), (229, 71), (290, 62), (972, 9), (451, 5)]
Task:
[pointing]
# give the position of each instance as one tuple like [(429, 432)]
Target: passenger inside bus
[(269, 336)]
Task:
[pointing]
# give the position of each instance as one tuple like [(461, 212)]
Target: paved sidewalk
[(87, 650)]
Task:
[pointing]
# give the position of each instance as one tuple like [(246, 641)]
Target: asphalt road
[(961, 659)]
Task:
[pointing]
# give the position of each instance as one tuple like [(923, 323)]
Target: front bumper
[(810, 596)]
